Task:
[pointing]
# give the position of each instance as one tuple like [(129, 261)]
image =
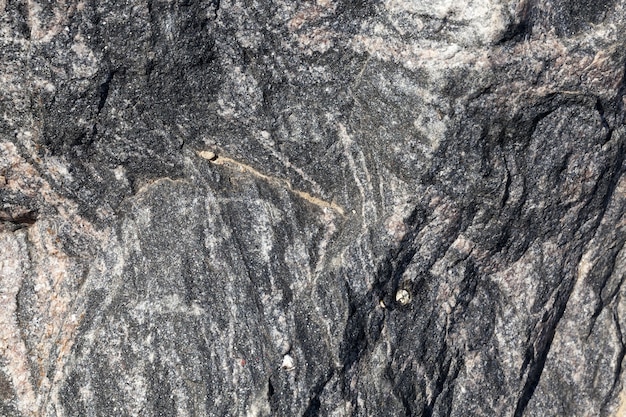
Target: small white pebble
[(403, 297), (288, 363), (211, 156)]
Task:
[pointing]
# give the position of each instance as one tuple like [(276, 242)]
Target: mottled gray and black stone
[(312, 208)]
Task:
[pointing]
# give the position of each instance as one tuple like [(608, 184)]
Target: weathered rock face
[(271, 208)]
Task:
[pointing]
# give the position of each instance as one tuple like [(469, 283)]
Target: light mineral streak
[(286, 162), (367, 195), (236, 165)]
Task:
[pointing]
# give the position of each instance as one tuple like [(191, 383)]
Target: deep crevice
[(535, 360), (19, 220), (604, 301), (270, 390), (103, 90), (507, 186), (216, 5), (601, 112), (313, 408), (522, 30)]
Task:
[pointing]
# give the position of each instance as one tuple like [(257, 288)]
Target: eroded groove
[(103, 90), (18, 219), (604, 301), (313, 408), (535, 359), (449, 371)]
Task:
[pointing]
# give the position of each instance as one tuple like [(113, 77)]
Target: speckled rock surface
[(319, 208)]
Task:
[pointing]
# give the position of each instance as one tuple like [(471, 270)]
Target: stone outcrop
[(317, 208)]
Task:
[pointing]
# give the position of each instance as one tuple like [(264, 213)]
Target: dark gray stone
[(321, 208)]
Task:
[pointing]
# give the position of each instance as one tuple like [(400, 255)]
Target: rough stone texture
[(208, 208)]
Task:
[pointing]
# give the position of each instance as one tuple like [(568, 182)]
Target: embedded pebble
[(403, 297), (288, 363)]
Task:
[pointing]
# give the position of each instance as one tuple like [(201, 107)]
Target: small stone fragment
[(288, 363), (403, 297), (208, 155)]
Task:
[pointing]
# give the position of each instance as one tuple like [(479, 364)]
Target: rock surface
[(318, 208)]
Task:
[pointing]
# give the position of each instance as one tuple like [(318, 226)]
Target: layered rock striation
[(318, 208)]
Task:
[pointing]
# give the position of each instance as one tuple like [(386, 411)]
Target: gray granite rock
[(320, 208)]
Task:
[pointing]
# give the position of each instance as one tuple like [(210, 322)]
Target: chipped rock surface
[(312, 208)]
